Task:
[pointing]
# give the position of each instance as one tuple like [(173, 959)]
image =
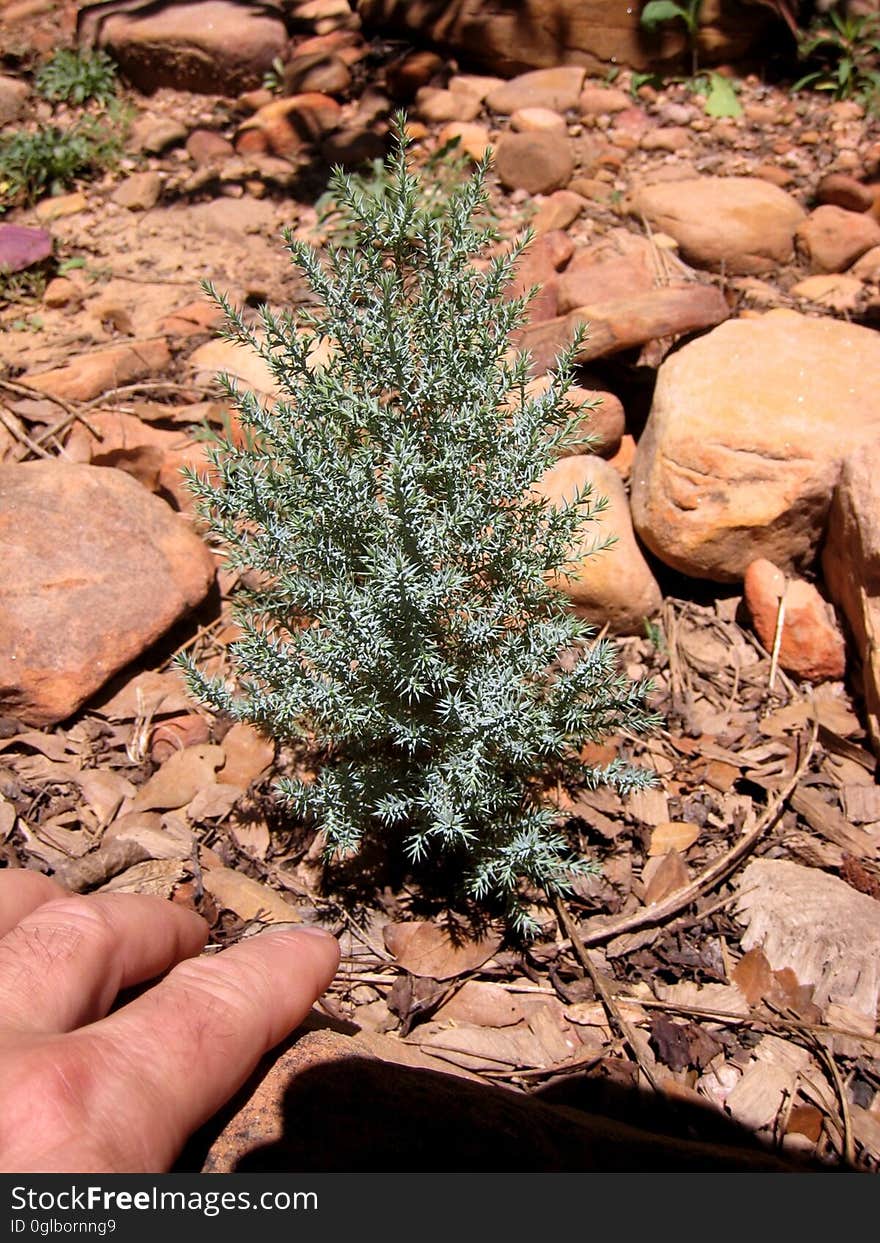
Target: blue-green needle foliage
[(405, 624)]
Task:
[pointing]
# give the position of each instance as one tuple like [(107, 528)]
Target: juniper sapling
[(407, 623)]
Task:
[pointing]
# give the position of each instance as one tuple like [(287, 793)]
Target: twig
[(615, 1017), (849, 1148), (22, 437), (777, 640), (716, 872)]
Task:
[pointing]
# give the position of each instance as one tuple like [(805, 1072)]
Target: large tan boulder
[(742, 224), (851, 566), (211, 46), (95, 570), (745, 441), (614, 586), (534, 34)]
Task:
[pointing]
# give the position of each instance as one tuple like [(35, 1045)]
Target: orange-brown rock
[(851, 567), (614, 586), (626, 322), (832, 238), (742, 223), (284, 126), (538, 162), (416, 69), (326, 72), (558, 211), (95, 570), (509, 38), (621, 265), (810, 642), (745, 440), (89, 375), (841, 190), (557, 88), (435, 104), (213, 46)]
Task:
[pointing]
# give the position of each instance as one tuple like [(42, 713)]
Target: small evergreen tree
[(406, 623)]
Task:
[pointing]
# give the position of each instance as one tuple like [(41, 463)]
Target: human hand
[(86, 1091)]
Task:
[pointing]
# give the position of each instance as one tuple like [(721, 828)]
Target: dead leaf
[(680, 1045), (98, 867), (805, 1120), (664, 877), (482, 1004), (213, 802), (50, 745), (252, 838), (426, 949), (7, 819), (818, 926), (104, 791), (248, 755), (247, 898), (673, 835), (481, 1048), (155, 876), (179, 779), (147, 695), (648, 806)]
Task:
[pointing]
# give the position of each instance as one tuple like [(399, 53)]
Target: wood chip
[(760, 1094), (831, 824)]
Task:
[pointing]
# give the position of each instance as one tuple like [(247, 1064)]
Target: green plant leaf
[(657, 11), (721, 100)]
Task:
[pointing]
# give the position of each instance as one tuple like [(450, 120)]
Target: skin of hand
[(84, 1090)]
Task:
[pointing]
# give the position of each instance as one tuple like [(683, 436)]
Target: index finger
[(22, 891), (183, 1048)]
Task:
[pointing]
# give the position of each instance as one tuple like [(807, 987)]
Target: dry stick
[(612, 1009), (716, 872), (733, 1019), (70, 411), (777, 640), (22, 437)]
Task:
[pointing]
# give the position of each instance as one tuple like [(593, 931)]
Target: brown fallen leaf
[(669, 875), (247, 898), (673, 835), (155, 876), (104, 791), (213, 802), (483, 1004), (426, 949), (248, 754), (50, 745), (101, 865), (146, 695), (179, 779)]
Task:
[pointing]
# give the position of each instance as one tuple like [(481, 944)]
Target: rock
[(538, 163), (538, 266), (206, 146), (406, 76), (840, 190), (626, 322), (780, 177), (139, 192), (507, 38), (851, 567), (472, 138), (868, 267), (558, 211), (557, 89), (836, 291), (832, 238), (61, 205), (90, 375), (333, 1102), (622, 264), (286, 125), (742, 223), (613, 587), (745, 440), (95, 570), (353, 146), (22, 247), (13, 97), (155, 135), (479, 84), (437, 105), (214, 47), (595, 101), (61, 291), (811, 644), (538, 120), (606, 422), (669, 138), (316, 71)]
